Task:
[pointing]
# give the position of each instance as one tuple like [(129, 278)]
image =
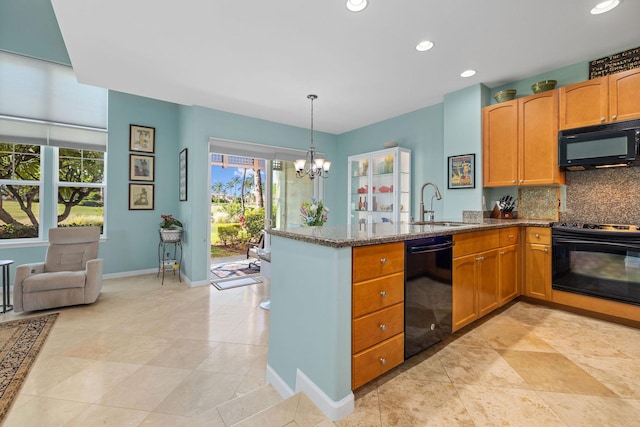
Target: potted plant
[(170, 228)]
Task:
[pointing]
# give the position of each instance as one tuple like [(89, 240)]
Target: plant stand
[(169, 252)]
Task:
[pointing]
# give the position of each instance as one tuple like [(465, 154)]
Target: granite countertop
[(369, 234)]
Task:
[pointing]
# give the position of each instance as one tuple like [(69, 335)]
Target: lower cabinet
[(537, 263), (475, 276), (508, 263), (377, 326)]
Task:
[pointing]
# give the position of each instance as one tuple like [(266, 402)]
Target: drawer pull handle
[(383, 327), (383, 294), (480, 258), (511, 236), (501, 252), (383, 361), (383, 260)]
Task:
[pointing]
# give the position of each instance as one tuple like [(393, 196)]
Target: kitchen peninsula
[(310, 342)]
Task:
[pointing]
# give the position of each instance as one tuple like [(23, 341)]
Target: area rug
[(235, 269), (221, 285), (20, 343)]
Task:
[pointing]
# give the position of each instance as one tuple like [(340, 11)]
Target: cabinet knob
[(383, 294), (614, 117), (537, 235), (602, 119), (383, 327), (480, 258), (522, 180), (546, 251), (511, 236), (501, 252), (383, 260), (383, 361), (513, 181)]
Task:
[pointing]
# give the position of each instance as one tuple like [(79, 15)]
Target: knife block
[(497, 213)]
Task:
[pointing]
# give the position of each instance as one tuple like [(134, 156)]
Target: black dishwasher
[(427, 292)]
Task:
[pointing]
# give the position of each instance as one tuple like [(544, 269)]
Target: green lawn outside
[(84, 212)]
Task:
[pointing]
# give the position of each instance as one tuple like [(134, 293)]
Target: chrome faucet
[(429, 214)]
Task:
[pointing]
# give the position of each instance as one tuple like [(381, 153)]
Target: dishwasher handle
[(430, 248)]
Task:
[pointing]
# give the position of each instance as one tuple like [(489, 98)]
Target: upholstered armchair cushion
[(70, 275)]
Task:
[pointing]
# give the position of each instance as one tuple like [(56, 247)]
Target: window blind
[(42, 102)]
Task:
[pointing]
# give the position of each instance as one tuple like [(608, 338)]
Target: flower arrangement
[(314, 213), (168, 221)]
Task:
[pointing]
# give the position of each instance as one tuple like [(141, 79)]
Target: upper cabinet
[(602, 100), (379, 187), (520, 142)]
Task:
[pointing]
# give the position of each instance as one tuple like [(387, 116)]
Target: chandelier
[(312, 166)]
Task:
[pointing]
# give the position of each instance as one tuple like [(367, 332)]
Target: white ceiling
[(261, 58)]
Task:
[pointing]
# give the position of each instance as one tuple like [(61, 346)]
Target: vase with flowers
[(170, 228), (313, 214)]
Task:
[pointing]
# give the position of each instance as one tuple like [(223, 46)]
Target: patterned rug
[(20, 343), (235, 269), (235, 274)]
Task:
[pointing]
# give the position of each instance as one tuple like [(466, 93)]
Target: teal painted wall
[(421, 131), (310, 317)]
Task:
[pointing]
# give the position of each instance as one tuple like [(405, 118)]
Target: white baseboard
[(278, 383), (129, 273), (331, 409)]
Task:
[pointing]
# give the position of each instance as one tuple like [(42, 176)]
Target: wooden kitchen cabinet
[(602, 100), (508, 265), (377, 328), (537, 263), (520, 142), (475, 276)]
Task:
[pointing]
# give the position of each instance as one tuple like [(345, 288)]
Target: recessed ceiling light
[(356, 5), (468, 73), (424, 45), (605, 6)]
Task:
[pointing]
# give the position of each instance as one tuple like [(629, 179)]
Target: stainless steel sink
[(439, 223)]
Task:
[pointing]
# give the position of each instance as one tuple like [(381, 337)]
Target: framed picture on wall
[(462, 171), (142, 138), (141, 168), (140, 197), (182, 171)]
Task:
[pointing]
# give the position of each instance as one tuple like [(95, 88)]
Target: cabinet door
[(507, 274), (500, 144), (624, 95), (464, 291), (585, 103), (538, 139), (537, 265), (487, 281)]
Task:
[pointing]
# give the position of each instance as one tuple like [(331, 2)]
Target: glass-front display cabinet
[(379, 187)]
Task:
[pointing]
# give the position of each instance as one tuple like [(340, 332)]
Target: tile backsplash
[(604, 196), (539, 202)]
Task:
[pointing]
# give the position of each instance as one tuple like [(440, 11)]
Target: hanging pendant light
[(312, 166)]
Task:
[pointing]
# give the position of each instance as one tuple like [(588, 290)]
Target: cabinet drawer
[(370, 262), (475, 241), (540, 235), (509, 236), (375, 294), (376, 360), (377, 326)]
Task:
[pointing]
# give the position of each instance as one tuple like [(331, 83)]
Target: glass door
[(287, 194)]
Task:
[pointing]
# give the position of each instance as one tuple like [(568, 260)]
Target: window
[(80, 205), (53, 143), (20, 184)]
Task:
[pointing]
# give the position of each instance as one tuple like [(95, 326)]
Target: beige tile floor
[(525, 366), (151, 355)]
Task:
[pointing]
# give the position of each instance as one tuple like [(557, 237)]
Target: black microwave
[(605, 145)]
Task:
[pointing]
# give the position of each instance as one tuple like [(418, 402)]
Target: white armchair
[(70, 275)]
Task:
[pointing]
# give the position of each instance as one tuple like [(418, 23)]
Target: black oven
[(600, 261)]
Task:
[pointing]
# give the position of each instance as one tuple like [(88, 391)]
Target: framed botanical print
[(142, 138), (141, 167), (182, 171), (141, 197), (462, 171)]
